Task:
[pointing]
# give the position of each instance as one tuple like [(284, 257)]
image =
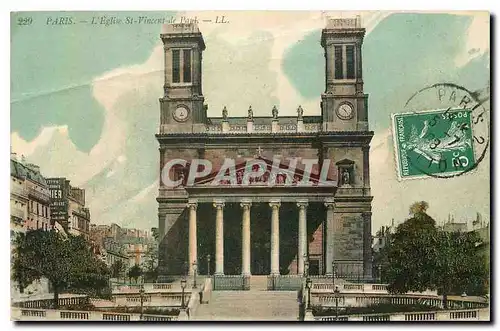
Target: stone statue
[(346, 177), (275, 113), (300, 112), (250, 114), (224, 113)]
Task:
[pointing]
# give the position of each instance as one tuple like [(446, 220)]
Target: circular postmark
[(443, 132)]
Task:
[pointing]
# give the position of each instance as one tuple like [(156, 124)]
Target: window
[(186, 60), (349, 53), (181, 60), (37, 210), (176, 63), (339, 72)]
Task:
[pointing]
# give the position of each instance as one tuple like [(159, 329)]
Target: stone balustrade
[(443, 315), (22, 314), (350, 287), (328, 299), (64, 300)]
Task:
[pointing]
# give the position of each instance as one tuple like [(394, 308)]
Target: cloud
[(478, 39)]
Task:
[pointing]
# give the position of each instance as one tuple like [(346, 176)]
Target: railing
[(17, 212), (21, 191), (332, 318), (48, 303), (157, 318), (261, 128), (420, 316), (38, 195), (74, 315), (284, 283), (162, 286), (468, 314), (231, 282), (377, 318), (115, 317), (358, 287), (33, 313), (54, 315), (465, 315)]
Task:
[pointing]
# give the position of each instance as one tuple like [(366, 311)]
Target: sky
[(84, 97)]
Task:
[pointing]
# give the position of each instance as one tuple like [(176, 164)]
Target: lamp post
[(333, 274), (308, 287), (306, 266), (195, 270), (336, 293), (208, 264), (183, 287), (141, 292)]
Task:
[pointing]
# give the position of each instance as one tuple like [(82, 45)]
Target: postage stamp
[(433, 142), (440, 142)]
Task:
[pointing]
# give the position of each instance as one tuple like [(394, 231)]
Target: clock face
[(181, 113), (345, 111)]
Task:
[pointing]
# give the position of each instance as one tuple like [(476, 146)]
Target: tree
[(151, 261), (408, 251), (420, 257), (117, 268), (135, 272), (67, 262)]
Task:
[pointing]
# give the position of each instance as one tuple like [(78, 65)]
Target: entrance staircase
[(257, 304)]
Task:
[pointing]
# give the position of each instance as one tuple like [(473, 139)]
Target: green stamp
[(434, 143)]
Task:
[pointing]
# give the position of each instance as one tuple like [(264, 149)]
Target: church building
[(239, 227)]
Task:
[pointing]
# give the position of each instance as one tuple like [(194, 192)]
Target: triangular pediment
[(281, 169)]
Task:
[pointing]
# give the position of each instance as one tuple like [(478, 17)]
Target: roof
[(20, 170)]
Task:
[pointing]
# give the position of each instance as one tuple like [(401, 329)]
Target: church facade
[(260, 219)]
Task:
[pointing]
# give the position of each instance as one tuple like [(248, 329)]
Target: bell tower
[(344, 106), (182, 106)]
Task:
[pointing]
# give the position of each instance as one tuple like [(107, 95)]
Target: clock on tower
[(344, 104)]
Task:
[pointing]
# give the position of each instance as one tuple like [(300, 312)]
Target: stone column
[(302, 235), (367, 244), (193, 242), (245, 240), (219, 237), (275, 237), (329, 237)]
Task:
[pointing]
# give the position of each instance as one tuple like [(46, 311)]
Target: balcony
[(82, 212), (19, 191), (45, 198), (18, 213)]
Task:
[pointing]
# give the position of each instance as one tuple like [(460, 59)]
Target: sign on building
[(59, 188)]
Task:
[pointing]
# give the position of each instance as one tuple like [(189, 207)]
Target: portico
[(280, 218)]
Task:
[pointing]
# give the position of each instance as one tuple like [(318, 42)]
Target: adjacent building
[(68, 207), (29, 197)]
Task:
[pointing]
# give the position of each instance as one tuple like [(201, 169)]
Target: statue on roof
[(275, 112), (300, 112), (224, 113), (250, 114)]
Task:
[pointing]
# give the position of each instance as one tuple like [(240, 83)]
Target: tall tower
[(344, 104), (182, 106)]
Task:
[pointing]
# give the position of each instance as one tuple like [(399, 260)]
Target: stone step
[(248, 305)]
